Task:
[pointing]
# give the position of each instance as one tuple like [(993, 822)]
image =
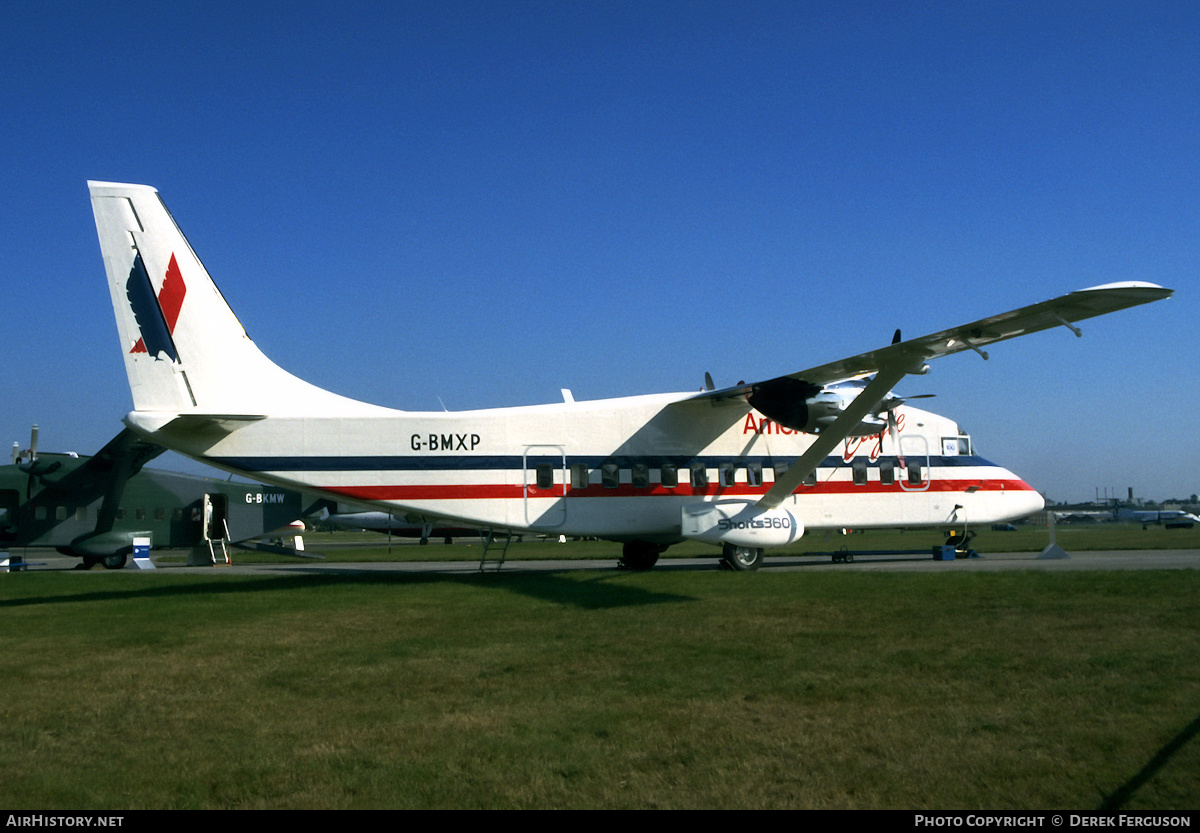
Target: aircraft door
[(214, 526), (10, 505), (915, 473), (545, 476)]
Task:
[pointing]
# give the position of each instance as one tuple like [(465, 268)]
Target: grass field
[(682, 688)]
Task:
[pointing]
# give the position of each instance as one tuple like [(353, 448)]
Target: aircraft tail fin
[(185, 350)]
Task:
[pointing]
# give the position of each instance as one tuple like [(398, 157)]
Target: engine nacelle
[(828, 405), (740, 523), (804, 407), (101, 544)]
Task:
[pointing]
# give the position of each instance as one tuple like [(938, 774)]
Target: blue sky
[(478, 204)]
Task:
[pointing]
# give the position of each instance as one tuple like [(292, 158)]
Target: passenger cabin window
[(810, 479), (670, 475), (60, 513), (887, 471), (641, 476), (728, 474), (754, 474), (610, 475), (914, 473), (579, 476), (859, 469), (699, 475), (545, 476), (160, 514)]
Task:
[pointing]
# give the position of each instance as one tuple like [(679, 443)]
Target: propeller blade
[(33, 438), (894, 432)]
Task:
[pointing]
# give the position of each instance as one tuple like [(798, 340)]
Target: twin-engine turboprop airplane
[(95, 507), (743, 468)]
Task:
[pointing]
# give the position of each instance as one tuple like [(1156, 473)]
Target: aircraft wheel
[(638, 555), (742, 558), (116, 561)]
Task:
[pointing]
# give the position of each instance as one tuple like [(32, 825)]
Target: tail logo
[(155, 314)]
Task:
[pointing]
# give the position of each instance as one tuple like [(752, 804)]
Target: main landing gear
[(741, 558), (115, 561), (639, 555)]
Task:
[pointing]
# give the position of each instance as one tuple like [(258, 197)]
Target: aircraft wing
[(126, 450), (1061, 311), (120, 459), (783, 398)]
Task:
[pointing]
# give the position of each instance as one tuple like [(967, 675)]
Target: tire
[(742, 559), (638, 555), (116, 561)]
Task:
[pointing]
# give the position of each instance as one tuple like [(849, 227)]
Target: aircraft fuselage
[(619, 469)]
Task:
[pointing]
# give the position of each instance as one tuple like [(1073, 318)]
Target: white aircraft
[(398, 526), (744, 468), (1170, 518)]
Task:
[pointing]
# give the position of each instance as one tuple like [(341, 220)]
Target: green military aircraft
[(93, 507)]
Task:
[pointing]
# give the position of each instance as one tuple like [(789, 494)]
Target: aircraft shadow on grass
[(599, 593)]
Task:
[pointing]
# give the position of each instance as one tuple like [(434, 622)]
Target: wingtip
[(1142, 287)]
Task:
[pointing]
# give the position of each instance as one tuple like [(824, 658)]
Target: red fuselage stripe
[(500, 491)]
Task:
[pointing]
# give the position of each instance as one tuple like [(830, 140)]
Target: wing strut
[(827, 440)]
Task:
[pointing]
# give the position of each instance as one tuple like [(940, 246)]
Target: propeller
[(890, 405), (33, 467), (29, 467), (894, 432)]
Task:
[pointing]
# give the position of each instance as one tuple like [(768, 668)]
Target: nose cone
[(1029, 500), (1007, 498), (1017, 499)]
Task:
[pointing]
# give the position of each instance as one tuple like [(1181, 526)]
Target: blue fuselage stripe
[(510, 462)]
